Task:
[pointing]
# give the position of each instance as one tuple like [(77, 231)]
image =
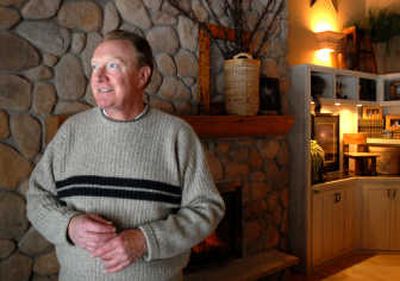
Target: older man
[(123, 190)]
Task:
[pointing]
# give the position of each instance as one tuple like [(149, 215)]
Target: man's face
[(117, 81)]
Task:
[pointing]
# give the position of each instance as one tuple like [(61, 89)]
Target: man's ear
[(144, 76)]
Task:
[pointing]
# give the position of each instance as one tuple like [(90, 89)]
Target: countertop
[(351, 180), (383, 141)]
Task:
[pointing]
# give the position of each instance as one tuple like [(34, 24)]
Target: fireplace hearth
[(225, 244)]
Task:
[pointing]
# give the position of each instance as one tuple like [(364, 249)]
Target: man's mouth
[(104, 90)]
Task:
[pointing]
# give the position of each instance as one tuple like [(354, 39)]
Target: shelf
[(239, 126)]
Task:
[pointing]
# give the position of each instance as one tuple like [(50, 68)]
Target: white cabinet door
[(376, 223), (318, 222), (333, 223), (395, 220)]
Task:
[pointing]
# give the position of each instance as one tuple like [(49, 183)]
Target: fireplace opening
[(225, 243)]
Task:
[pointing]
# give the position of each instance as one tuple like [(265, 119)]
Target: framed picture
[(392, 122), (394, 92), (325, 130), (372, 112), (204, 60), (270, 102)]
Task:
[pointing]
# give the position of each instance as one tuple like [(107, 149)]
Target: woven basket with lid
[(241, 85)]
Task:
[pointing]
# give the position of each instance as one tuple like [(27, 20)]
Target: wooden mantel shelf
[(239, 126)]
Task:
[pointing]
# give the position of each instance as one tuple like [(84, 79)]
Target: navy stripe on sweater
[(119, 188), (120, 182), (119, 193)]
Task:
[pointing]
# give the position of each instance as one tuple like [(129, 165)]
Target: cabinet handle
[(394, 193), (389, 193), (338, 197)]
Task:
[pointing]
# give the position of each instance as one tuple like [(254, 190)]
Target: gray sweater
[(149, 174)]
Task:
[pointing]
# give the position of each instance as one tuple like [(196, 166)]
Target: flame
[(211, 242)]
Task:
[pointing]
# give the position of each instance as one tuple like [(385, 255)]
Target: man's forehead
[(115, 49)]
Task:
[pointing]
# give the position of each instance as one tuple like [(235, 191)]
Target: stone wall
[(260, 166), (45, 48)]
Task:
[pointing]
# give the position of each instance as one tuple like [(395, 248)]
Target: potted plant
[(253, 23), (382, 25), (374, 35)]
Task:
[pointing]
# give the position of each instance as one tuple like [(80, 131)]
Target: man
[(123, 190)]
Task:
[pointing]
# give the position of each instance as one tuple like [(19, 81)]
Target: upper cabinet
[(389, 94), (338, 85), (347, 86)]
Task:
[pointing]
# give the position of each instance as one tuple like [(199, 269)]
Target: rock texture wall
[(45, 48)]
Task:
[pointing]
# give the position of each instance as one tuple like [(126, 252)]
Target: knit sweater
[(149, 174)]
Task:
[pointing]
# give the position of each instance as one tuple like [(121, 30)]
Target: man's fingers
[(105, 255), (90, 231), (99, 227), (103, 250), (96, 237), (118, 266), (99, 219)]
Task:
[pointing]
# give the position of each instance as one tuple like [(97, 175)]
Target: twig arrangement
[(236, 12)]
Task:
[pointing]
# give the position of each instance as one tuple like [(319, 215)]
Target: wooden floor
[(357, 267)]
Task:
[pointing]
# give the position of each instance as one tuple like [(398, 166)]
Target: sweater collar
[(139, 116)]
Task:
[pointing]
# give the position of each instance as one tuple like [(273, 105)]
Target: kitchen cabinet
[(334, 221), (349, 88), (381, 216), (340, 85)]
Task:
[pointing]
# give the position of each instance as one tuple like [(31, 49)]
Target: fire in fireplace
[(225, 243)]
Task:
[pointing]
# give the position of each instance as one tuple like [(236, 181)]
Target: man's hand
[(90, 231), (121, 251)]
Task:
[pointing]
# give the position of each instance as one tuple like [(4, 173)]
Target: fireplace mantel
[(214, 126), (239, 126)]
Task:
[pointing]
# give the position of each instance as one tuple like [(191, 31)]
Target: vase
[(241, 85)]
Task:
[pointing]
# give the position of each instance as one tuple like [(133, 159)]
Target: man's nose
[(100, 74)]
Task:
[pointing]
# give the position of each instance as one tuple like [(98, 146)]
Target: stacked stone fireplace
[(252, 175), (225, 243), (259, 166)]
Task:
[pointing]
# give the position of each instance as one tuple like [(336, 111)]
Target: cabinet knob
[(338, 197)]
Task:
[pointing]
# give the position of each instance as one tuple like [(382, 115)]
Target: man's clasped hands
[(100, 238)]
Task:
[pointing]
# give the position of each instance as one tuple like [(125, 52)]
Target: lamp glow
[(323, 57)]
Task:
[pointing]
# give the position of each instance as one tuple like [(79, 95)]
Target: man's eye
[(113, 65), (94, 66)]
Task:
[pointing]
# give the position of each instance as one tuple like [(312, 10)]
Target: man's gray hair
[(141, 45)]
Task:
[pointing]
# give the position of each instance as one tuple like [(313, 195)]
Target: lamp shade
[(330, 40)]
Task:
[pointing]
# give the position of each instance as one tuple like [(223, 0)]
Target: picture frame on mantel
[(270, 100), (204, 62)]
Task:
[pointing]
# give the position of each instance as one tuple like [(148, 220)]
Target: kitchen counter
[(352, 180), (383, 142)]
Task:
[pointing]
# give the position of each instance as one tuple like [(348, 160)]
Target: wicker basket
[(241, 85)]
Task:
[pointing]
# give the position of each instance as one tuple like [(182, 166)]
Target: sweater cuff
[(68, 217), (151, 241)]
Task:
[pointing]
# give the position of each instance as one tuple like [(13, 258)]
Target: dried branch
[(260, 20), (266, 34), (234, 11), (226, 53), (194, 18), (213, 14)]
